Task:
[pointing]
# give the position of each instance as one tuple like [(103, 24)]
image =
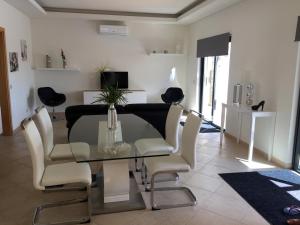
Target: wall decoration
[(13, 61), (63, 57), (24, 50), (249, 94), (48, 61), (237, 94)]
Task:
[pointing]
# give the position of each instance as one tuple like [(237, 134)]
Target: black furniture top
[(153, 113), (49, 97), (173, 95)]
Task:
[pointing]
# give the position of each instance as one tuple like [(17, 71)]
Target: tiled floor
[(218, 204)]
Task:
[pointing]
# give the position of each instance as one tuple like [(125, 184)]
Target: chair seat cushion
[(63, 151), (173, 162), (67, 173), (152, 144)]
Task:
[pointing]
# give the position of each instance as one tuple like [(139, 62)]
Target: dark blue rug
[(267, 198), (207, 127)]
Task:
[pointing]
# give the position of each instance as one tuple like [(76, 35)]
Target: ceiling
[(154, 11), (141, 6)]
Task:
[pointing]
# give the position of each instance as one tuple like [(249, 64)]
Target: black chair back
[(49, 97), (173, 95), (46, 93)]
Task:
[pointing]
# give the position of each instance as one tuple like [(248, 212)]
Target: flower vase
[(112, 117)]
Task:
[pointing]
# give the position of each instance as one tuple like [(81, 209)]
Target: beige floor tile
[(204, 182), (227, 207), (252, 217), (226, 191), (218, 203), (204, 217)]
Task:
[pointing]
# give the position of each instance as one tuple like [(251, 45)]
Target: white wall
[(264, 53), (17, 27), (87, 50)]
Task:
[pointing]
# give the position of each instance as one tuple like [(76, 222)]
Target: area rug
[(206, 127), (268, 192)]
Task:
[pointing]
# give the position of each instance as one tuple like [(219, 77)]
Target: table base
[(135, 202)]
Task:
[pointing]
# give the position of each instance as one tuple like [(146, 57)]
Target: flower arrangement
[(112, 96)]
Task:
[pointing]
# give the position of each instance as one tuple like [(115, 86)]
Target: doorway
[(4, 88), (214, 74)]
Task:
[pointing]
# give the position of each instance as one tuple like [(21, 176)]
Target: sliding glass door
[(214, 76), (208, 87)]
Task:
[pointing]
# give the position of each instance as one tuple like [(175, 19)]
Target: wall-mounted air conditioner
[(114, 29)]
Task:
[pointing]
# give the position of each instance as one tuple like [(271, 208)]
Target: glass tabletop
[(105, 144)]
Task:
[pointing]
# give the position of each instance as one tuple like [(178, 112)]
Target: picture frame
[(13, 61), (23, 50)]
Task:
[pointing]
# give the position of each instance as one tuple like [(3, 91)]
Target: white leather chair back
[(189, 138), (35, 145), (172, 125), (46, 130)]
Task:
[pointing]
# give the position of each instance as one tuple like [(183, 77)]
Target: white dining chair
[(170, 143), (56, 176), (176, 163), (55, 151)]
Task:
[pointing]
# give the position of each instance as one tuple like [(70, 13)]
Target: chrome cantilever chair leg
[(63, 188), (145, 178), (174, 176), (143, 171), (81, 220), (89, 196), (136, 165), (190, 194)]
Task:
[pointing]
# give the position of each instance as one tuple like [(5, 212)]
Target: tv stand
[(133, 96)]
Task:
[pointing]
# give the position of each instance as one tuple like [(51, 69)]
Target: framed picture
[(24, 50), (13, 61)]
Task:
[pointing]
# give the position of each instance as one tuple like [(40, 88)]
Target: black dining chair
[(51, 98), (173, 95)]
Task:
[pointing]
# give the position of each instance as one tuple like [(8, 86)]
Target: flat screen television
[(115, 79)]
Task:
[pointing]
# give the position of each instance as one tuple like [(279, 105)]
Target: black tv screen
[(115, 79)]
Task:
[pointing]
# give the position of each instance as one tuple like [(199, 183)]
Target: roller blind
[(297, 38), (213, 46)]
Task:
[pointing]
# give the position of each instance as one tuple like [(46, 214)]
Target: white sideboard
[(254, 115), (133, 96)]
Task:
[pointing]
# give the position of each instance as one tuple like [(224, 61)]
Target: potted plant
[(112, 96), (102, 69)]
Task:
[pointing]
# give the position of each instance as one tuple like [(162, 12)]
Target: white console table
[(254, 114), (133, 96)]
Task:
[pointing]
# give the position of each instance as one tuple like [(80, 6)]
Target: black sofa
[(153, 113)]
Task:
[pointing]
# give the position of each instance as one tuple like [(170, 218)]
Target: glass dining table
[(115, 188)]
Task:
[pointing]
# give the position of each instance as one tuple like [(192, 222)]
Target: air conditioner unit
[(114, 30)]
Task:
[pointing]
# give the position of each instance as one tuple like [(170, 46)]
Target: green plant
[(112, 95), (101, 69)]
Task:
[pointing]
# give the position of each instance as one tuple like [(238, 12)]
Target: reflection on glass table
[(116, 189)]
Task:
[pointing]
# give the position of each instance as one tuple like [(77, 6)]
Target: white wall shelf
[(58, 69), (165, 54)]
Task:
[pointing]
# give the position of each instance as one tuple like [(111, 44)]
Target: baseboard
[(274, 160), (281, 164)]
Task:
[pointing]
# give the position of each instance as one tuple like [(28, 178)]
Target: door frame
[(201, 83), (201, 80), (296, 150), (4, 88)]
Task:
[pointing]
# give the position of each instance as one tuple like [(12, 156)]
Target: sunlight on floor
[(294, 172), (255, 165)]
